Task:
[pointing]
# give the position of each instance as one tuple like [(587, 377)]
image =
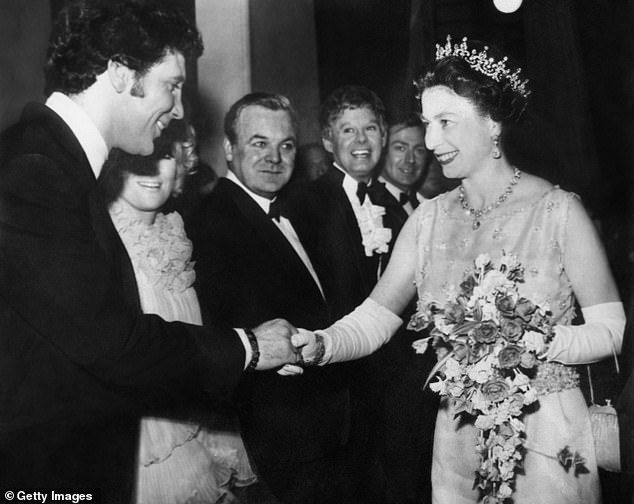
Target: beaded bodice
[(447, 245)]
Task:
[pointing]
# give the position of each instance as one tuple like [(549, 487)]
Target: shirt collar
[(349, 185), (263, 203), (87, 134), (394, 191)]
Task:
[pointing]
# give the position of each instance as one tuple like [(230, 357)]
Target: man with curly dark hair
[(79, 363)]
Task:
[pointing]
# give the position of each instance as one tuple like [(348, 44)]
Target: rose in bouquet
[(489, 339)]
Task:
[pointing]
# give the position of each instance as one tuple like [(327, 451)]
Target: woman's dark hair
[(120, 163), (495, 98), (405, 119), (137, 34)]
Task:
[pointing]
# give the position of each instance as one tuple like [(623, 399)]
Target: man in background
[(401, 172), (312, 162), (251, 266)]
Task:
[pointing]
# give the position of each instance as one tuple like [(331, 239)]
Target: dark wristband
[(255, 350)]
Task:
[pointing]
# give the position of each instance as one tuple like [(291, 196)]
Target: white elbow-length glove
[(601, 336), (359, 333), (356, 335)]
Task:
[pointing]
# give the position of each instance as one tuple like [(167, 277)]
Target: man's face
[(264, 153), (152, 101), (356, 140), (405, 157), (317, 162), (186, 160)]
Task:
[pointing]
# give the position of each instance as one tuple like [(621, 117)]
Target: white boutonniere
[(375, 237)]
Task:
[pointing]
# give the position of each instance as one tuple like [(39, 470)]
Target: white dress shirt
[(368, 215), (87, 134), (350, 186), (284, 225)]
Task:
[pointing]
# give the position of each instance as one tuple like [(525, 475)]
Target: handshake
[(281, 345)]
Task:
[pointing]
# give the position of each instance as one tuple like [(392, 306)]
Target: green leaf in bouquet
[(465, 328)]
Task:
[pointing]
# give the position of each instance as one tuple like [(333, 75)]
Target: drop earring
[(495, 152)]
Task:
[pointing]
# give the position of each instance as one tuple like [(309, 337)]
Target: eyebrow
[(374, 122), (401, 142), (259, 136), (442, 114), (176, 79)]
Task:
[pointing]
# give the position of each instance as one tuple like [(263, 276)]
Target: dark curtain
[(560, 97), (363, 42)]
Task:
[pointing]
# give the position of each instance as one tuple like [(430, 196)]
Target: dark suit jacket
[(78, 361), (247, 272), (328, 228), (395, 215)]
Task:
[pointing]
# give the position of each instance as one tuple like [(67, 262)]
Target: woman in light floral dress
[(179, 461)]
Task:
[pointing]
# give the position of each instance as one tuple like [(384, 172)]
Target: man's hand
[(274, 341)]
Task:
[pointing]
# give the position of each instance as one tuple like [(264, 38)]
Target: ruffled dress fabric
[(179, 462), (447, 246)]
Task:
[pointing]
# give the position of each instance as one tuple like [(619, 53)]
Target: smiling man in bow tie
[(337, 218)]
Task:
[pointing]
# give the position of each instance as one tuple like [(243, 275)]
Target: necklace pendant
[(475, 225)]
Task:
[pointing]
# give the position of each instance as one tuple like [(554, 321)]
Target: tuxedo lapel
[(344, 213), (76, 160), (394, 212), (280, 249), (105, 233), (66, 142)]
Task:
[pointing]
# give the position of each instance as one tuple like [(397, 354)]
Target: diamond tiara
[(481, 62)]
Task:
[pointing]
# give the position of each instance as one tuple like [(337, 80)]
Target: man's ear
[(327, 143), (120, 76), (495, 128), (226, 144)]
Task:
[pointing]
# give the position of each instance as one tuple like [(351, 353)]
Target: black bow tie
[(275, 209), (362, 190), (408, 197)]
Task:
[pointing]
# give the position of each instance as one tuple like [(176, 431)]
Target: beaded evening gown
[(447, 246), (178, 461)]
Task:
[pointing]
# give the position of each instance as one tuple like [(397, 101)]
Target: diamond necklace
[(477, 214)]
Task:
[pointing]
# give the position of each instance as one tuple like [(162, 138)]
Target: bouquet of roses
[(488, 339)]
